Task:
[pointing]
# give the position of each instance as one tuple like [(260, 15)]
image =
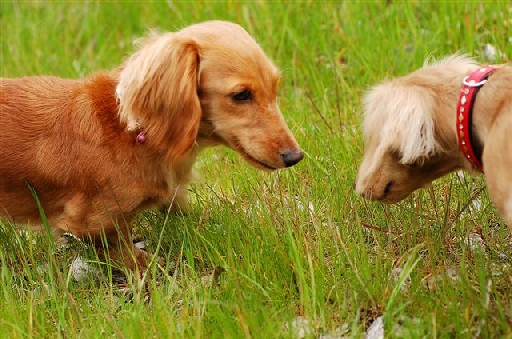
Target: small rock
[(140, 244), (80, 270), (376, 329), (63, 242), (475, 240), (300, 327)]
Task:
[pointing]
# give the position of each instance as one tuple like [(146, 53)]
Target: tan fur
[(410, 131), (74, 141)]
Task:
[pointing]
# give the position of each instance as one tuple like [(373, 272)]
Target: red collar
[(470, 87)]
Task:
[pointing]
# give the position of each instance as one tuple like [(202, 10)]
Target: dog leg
[(131, 257), (99, 221)]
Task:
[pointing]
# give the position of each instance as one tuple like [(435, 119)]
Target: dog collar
[(470, 87)]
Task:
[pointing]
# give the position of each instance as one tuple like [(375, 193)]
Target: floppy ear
[(157, 91), (403, 115)]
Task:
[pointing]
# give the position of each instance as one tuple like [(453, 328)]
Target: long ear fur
[(403, 117), (157, 89)]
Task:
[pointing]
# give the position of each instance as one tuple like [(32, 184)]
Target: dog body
[(99, 150), (410, 132), (67, 142)]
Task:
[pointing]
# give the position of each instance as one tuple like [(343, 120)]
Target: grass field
[(258, 251)]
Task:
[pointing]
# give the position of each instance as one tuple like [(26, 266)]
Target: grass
[(294, 243)]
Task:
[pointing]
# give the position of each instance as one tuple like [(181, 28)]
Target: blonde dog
[(411, 128), (99, 150)]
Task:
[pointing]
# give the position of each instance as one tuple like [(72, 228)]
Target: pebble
[(80, 270), (300, 327), (376, 329), (475, 242)]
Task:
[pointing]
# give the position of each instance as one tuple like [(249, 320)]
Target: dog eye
[(242, 96), (396, 155)]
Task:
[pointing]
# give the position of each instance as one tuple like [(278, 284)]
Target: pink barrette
[(141, 137)]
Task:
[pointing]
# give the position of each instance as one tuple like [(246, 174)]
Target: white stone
[(376, 329), (300, 327), (80, 270), (140, 245), (475, 242)]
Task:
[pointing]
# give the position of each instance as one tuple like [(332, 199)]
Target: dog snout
[(291, 158), (381, 194), (375, 193), (361, 187), (366, 193)]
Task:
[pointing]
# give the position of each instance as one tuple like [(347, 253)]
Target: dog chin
[(258, 164), (253, 161), (395, 198), (391, 201)]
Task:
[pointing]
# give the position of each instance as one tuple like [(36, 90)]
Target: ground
[(289, 254)]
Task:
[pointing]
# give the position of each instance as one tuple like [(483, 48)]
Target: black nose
[(290, 158)]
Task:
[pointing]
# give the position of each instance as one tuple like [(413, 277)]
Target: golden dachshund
[(99, 150)]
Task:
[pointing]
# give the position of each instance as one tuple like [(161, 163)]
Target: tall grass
[(257, 250)]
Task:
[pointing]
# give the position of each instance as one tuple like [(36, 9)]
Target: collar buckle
[(473, 83)]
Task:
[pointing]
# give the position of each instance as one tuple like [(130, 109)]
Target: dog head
[(209, 83), (409, 131)]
